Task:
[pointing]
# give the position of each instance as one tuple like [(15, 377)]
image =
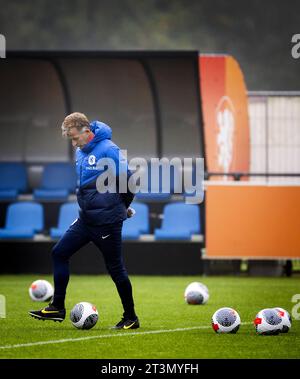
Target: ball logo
[(226, 130), (92, 160)]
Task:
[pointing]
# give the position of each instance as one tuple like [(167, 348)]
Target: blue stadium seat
[(68, 213), (23, 220), (138, 224), (180, 222), (13, 180), (58, 181)]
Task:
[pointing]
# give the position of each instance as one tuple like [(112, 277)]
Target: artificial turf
[(162, 311)]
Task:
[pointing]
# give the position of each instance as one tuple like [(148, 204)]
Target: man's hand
[(130, 212)]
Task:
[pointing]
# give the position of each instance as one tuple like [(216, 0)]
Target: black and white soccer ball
[(268, 322), (41, 290), (286, 319), (196, 293), (84, 315), (226, 320)]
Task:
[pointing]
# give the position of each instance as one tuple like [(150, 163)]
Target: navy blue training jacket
[(99, 208)]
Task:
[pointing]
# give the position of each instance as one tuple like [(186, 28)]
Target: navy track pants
[(108, 238)]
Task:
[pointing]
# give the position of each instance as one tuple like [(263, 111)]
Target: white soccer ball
[(286, 319), (196, 293), (226, 320), (84, 315), (268, 321), (41, 290)]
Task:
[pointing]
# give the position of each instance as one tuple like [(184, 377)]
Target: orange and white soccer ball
[(268, 321), (41, 290), (196, 293), (226, 320)]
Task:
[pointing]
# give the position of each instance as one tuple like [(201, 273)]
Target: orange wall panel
[(252, 221), (225, 115), (212, 79)]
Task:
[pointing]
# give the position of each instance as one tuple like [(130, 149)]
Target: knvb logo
[(2, 307), (2, 46), (296, 48), (225, 117)]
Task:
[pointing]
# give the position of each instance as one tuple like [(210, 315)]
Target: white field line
[(107, 336)]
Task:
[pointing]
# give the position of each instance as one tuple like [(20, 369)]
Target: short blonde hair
[(75, 120)]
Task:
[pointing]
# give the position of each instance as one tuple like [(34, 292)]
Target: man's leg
[(74, 238), (108, 238)]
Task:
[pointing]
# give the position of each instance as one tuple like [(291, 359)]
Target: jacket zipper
[(80, 173), (80, 182)]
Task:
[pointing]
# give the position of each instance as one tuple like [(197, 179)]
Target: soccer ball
[(226, 320), (84, 315), (268, 322), (196, 293), (286, 319), (41, 290)]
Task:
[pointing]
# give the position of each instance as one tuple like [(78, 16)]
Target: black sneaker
[(126, 323), (49, 313)]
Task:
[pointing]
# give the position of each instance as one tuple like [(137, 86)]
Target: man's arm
[(121, 171)]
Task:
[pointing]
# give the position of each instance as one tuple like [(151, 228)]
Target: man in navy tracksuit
[(100, 219)]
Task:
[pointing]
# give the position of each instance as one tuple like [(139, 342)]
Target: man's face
[(79, 139)]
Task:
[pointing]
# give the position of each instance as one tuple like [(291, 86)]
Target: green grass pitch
[(169, 327)]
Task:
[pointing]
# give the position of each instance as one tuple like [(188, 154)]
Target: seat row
[(59, 180), (180, 221)]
